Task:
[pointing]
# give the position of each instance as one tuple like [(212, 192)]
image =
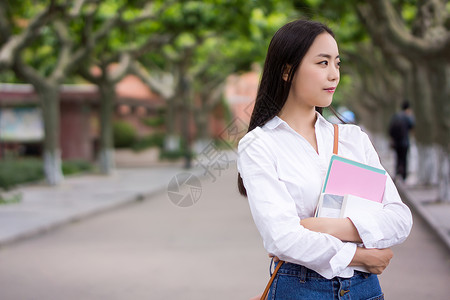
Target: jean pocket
[(380, 297)]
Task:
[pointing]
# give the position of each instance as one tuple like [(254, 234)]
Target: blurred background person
[(401, 124)]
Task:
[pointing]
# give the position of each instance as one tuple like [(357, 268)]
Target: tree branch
[(163, 86), (86, 74), (76, 8), (394, 28), (65, 54), (5, 26), (107, 26), (28, 73), (122, 69), (15, 43), (148, 15)]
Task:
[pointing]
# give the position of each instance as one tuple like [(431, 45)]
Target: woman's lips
[(330, 90)]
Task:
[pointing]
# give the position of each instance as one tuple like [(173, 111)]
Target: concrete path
[(43, 207), (154, 249)]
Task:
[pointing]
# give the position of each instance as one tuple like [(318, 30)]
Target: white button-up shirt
[(283, 175)]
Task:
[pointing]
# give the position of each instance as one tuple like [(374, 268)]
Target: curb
[(76, 217), (443, 236)]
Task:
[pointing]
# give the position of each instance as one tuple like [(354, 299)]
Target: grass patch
[(10, 200), (18, 171)]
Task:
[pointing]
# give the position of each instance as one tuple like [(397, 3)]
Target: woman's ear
[(287, 69)]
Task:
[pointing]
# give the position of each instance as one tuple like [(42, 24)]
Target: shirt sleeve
[(275, 215), (389, 226)]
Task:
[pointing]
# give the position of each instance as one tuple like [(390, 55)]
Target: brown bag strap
[(266, 291), (336, 139)]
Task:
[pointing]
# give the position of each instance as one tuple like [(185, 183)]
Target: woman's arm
[(374, 260), (341, 228)]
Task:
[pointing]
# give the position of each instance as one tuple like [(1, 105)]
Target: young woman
[(282, 164)]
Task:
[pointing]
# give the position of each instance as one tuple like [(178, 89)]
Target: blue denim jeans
[(297, 282)]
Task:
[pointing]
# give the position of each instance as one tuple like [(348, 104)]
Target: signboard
[(21, 124)]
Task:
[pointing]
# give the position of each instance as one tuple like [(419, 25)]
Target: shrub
[(175, 155), (153, 122), (76, 166), (154, 140), (124, 134), (19, 171), (11, 199)]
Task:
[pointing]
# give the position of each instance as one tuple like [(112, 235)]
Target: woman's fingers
[(275, 258)]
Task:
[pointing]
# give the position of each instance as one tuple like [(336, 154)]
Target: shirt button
[(343, 292)]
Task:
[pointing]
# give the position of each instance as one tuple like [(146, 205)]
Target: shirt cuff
[(342, 259), (368, 229)]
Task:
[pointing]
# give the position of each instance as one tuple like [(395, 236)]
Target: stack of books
[(350, 187)]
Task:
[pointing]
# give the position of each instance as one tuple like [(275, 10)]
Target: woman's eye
[(339, 64), (323, 63)]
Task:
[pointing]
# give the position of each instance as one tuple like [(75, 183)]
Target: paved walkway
[(422, 199), (43, 208), (142, 239), (155, 250)]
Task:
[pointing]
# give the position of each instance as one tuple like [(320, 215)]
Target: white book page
[(354, 205)]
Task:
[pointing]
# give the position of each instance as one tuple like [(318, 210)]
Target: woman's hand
[(374, 260), (275, 258)]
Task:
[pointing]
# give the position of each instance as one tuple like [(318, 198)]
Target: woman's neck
[(299, 118)]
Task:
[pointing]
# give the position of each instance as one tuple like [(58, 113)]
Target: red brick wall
[(76, 141)]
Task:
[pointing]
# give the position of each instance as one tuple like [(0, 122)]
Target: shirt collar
[(277, 121)]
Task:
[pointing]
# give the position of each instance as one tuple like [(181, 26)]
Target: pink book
[(346, 176)]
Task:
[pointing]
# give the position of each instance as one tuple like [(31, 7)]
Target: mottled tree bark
[(49, 93), (106, 152)]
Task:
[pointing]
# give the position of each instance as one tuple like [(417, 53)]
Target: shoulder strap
[(266, 291), (336, 139)]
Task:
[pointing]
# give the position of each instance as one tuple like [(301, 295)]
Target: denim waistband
[(303, 272), (298, 270)]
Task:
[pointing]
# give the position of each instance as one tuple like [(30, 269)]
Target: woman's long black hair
[(286, 50)]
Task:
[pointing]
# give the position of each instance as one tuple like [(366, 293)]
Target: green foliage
[(154, 140), (175, 155), (14, 172), (124, 134), (24, 170), (153, 122), (9, 76), (76, 166), (11, 199)]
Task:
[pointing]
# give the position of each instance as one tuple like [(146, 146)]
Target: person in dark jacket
[(399, 127)]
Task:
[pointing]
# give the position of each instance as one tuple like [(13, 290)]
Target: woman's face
[(317, 76)]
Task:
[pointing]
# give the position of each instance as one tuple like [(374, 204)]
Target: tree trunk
[(171, 140), (440, 86), (49, 95), (186, 114), (106, 155), (203, 138), (444, 174)]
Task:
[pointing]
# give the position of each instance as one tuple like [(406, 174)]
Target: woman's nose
[(333, 73)]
